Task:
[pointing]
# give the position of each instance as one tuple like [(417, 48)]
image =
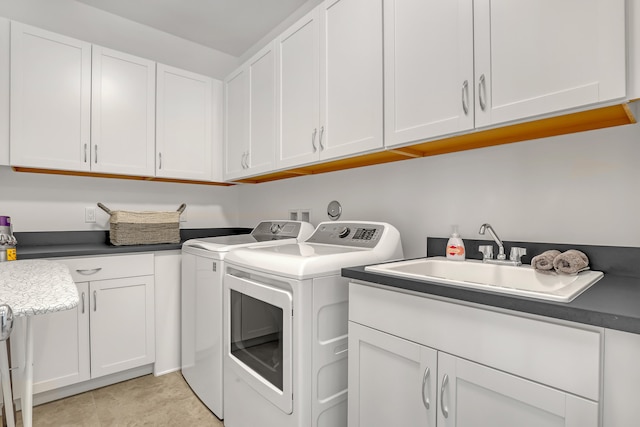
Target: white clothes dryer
[(286, 322), (202, 312)]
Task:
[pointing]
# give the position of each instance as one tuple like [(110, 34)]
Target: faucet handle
[(516, 253), (487, 251)]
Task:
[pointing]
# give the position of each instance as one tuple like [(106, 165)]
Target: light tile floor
[(166, 400)]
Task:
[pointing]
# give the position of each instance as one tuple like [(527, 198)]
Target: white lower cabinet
[(473, 395), (392, 381), (621, 379), (110, 331), (413, 379)]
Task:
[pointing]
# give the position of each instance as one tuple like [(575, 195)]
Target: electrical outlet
[(305, 214), (293, 215), (90, 214)]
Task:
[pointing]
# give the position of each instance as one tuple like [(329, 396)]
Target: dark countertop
[(50, 244), (613, 302)]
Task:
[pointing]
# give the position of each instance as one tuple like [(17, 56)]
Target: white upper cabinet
[(50, 100), (5, 36), (236, 126), (351, 110), (262, 111), (452, 66), (122, 113), (330, 84), (428, 68), (633, 50), (299, 91), (250, 116), (185, 123), (544, 56), (91, 109)]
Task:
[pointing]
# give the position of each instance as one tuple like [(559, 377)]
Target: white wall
[(93, 25), (38, 202), (581, 188)]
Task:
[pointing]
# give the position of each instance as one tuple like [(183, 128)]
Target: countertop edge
[(87, 243), (581, 310)]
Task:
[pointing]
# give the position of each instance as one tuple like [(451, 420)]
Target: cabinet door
[(60, 347), (392, 382), (50, 99), (428, 69), (536, 57), (5, 34), (185, 124), (236, 101), (621, 379), (123, 102), (473, 395), (262, 111), (298, 108), (351, 78), (122, 324)]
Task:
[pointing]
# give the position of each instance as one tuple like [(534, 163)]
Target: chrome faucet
[(487, 250), (487, 227)]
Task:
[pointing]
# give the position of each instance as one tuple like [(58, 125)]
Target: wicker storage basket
[(143, 228)]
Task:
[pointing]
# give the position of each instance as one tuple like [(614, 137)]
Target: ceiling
[(230, 26)]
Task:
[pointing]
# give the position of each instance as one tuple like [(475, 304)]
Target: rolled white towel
[(544, 262)]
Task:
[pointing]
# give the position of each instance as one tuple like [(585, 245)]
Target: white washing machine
[(202, 310), (286, 322)]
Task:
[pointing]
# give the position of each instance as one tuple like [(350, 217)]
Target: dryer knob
[(275, 228), (344, 232)]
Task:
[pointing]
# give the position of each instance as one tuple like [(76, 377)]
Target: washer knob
[(275, 228), (344, 232)]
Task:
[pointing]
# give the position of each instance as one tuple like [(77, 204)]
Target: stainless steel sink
[(521, 280)]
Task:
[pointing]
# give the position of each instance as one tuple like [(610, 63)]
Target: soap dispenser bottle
[(455, 246)]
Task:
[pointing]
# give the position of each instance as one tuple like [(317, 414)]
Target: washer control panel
[(276, 230), (358, 234)]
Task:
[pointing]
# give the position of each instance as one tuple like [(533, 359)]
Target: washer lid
[(266, 233), (333, 246), (227, 243), (301, 260)]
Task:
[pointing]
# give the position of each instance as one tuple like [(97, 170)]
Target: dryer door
[(258, 340)]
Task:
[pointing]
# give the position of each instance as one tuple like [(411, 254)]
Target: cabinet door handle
[(96, 153), (482, 92), (242, 163), (95, 300), (246, 160), (159, 160), (320, 138), (89, 272), (445, 381), (83, 303), (425, 398), (313, 139), (85, 152), (465, 97)]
